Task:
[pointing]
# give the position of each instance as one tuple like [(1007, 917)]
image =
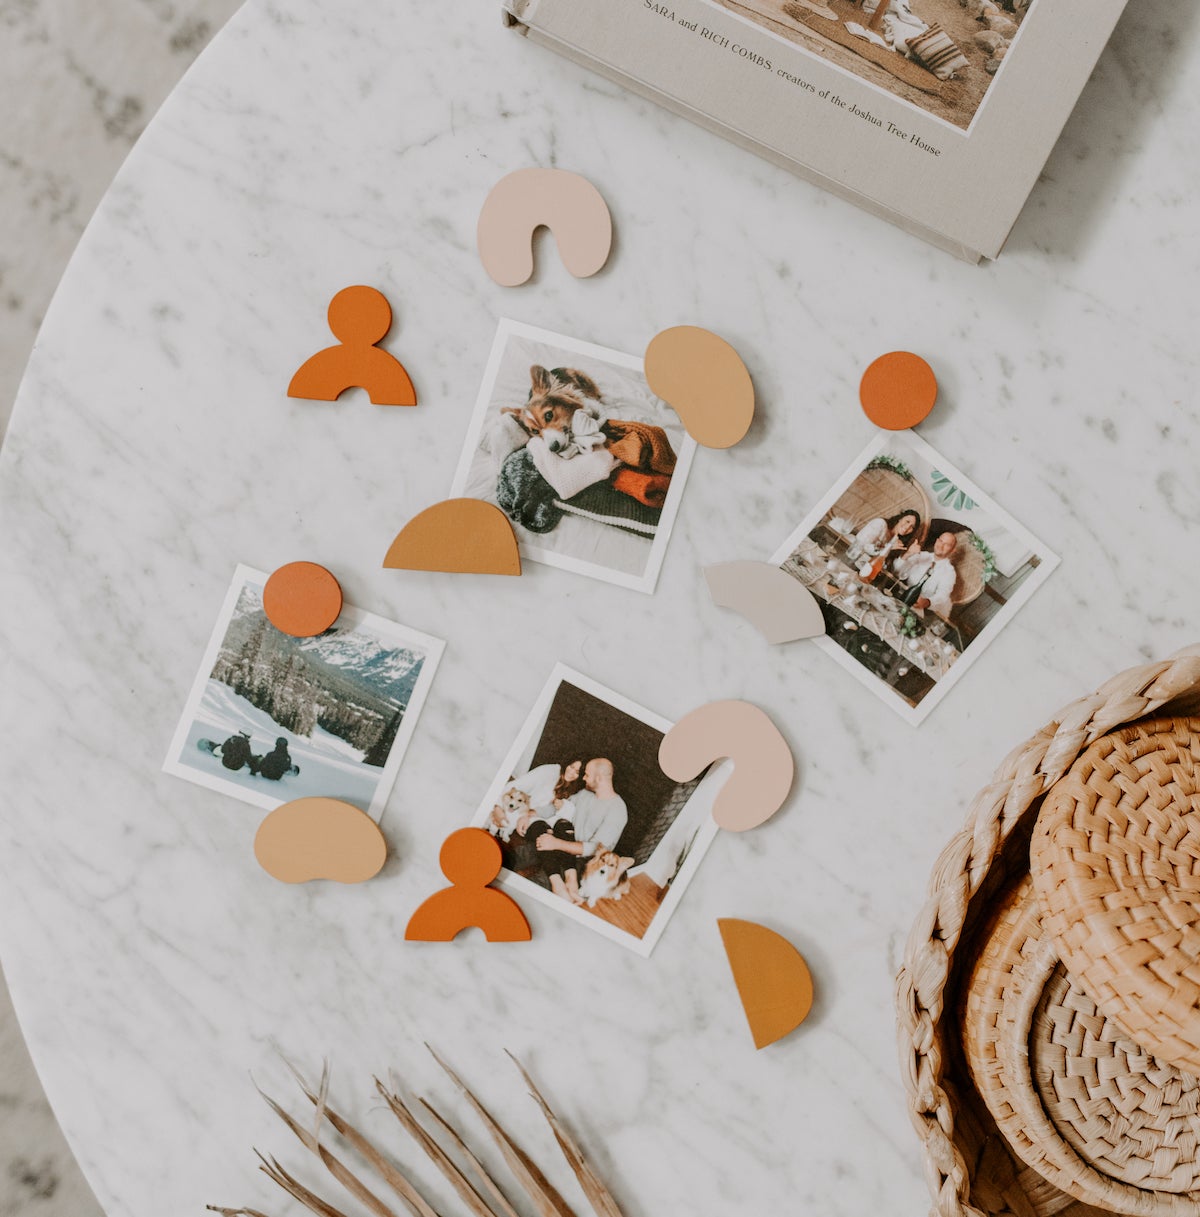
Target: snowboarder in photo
[(236, 751), (276, 763)]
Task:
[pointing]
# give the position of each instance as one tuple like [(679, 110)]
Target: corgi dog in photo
[(605, 877), (555, 397), (508, 811)]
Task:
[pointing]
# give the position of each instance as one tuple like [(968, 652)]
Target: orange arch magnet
[(462, 536), (470, 859), (763, 766), (772, 979), (528, 199), (360, 318)]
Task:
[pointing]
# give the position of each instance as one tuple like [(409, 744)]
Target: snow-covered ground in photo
[(328, 766)]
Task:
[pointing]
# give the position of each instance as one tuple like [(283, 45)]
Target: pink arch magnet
[(528, 199)]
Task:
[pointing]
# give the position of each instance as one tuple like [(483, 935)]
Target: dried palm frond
[(296, 1189), (417, 1204), (537, 1186), (499, 1199), (598, 1195), (487, 1199), (335, 1166), (461, 1184)]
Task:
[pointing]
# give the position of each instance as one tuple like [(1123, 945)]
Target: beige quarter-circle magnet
[(529, 199), (320, 838), (780, 607), (703, 379), (763, 766)]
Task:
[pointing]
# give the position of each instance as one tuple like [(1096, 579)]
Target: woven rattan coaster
[(1071, 1094), (1128, 1115), (1116, 864)]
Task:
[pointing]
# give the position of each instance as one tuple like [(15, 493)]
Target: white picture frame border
[(350, 617), (1049, 561), (706, 791), (646, 582)]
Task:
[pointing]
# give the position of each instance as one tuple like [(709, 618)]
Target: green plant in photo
[(890, 462), (910, 624), (948, 494), (989, 558)]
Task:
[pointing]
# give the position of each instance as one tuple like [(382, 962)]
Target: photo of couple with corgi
[(563, 822), (587, 821), (586, 462)]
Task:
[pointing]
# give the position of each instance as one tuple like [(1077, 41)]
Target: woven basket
[(971, 1169)]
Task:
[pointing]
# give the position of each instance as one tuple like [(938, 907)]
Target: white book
[(850, 94)]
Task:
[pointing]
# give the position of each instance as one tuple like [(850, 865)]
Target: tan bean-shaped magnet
[(781, 607), (703, 379), (464, 536), (319, 838), (763, 766), (528, 199)]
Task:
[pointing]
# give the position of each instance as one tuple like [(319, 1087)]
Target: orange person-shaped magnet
[(470, 859), (360, 318)]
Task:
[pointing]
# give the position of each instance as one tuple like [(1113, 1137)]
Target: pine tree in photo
[(377, 754)]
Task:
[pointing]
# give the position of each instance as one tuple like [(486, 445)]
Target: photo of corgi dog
[(555, 396), (605, 877), (513, 805)]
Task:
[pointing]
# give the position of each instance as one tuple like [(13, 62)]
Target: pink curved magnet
[(529, 199), (763, 766)]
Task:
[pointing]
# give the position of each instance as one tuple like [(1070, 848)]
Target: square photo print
[(916, 570), (271, 718), (567, 439), (587, 821)]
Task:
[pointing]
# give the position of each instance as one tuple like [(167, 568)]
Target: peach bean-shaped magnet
[(320, 838), (703, 379), (763, 766), (528, 199)]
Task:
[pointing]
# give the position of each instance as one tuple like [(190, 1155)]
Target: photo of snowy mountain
[(273, 718)]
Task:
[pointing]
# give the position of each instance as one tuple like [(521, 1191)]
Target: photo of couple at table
[(587, 821), (915, 570)]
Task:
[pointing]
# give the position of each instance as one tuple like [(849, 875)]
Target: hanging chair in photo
[(881, 493), (967, 558)]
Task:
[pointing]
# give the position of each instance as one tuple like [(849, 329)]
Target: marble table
[(317, 143)]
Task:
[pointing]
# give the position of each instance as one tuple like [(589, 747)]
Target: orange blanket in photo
[(641, 446), (648, 488)]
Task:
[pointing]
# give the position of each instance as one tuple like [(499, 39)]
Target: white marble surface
[(79, 79), (320, 143)]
